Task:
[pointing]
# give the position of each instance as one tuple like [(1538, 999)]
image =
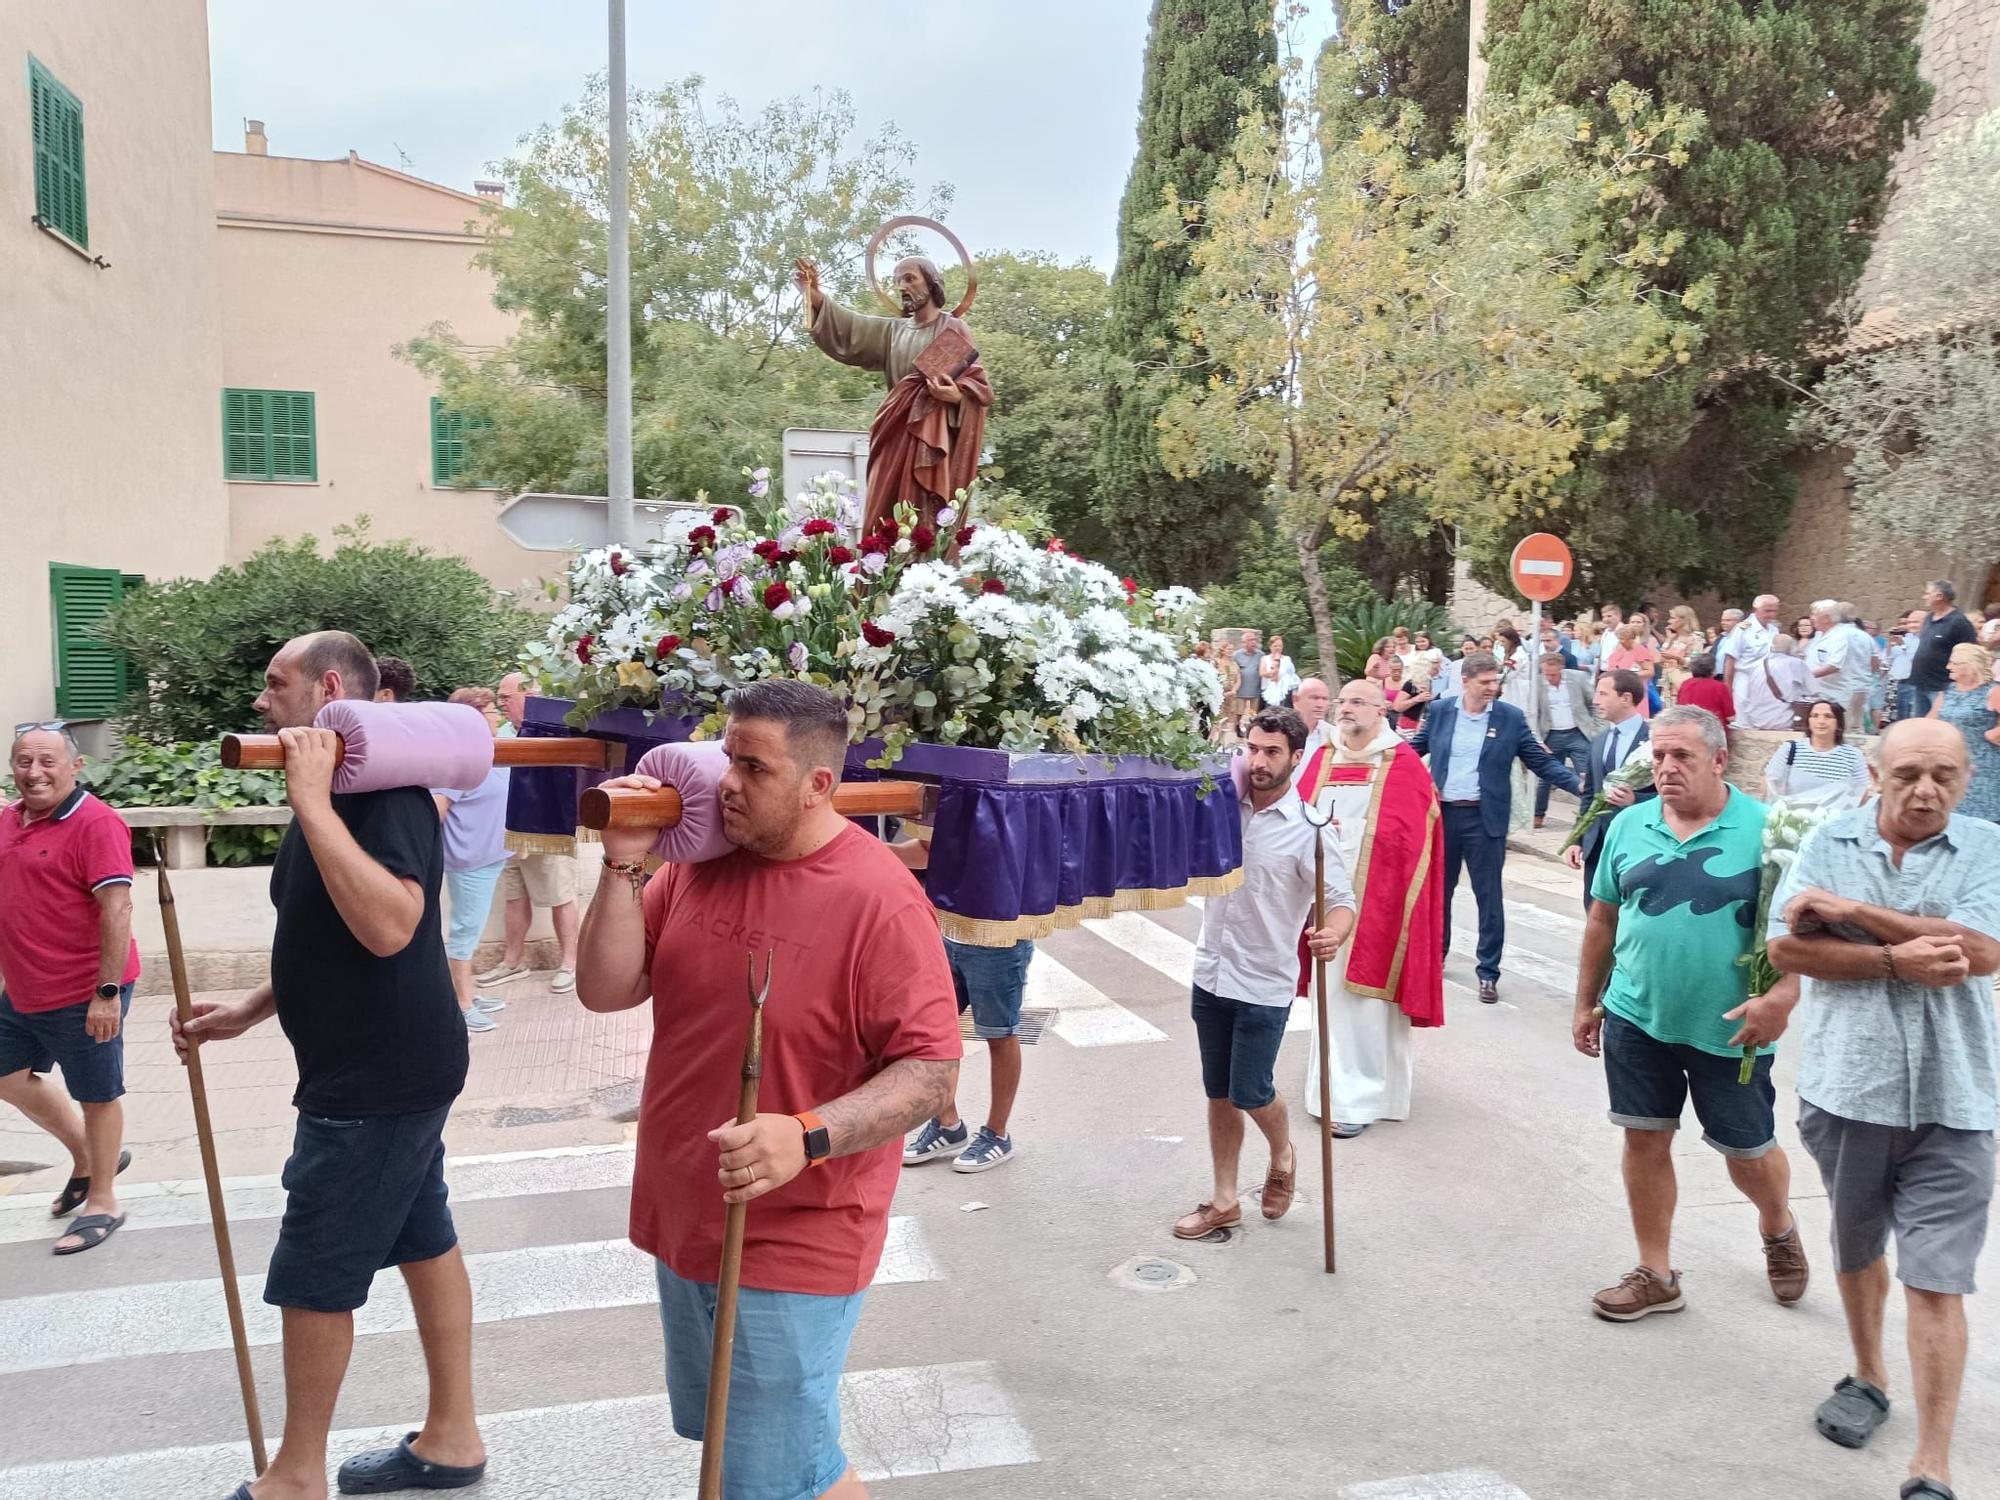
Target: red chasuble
[(1396, 953)]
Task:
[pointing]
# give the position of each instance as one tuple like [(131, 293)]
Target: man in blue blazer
[(1473, 741), (1625, 736)]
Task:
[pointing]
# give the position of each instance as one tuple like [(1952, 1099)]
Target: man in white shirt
[(1903, 639), (1451, 676), (1840, 660), (1311, 702), (1246, 970), (1750, 642)]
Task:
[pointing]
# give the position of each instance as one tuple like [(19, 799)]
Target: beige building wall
[(110, 452), (325, 266)]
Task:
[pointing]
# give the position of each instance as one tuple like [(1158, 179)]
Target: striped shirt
[(1797, 767)]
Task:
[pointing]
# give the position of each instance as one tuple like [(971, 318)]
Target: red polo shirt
[(50, 873)]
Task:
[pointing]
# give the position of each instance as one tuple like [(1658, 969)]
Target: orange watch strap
[(811, 1122)]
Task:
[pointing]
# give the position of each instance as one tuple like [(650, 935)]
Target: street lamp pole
[(618, 304)]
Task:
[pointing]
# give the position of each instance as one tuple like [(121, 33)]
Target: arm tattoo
[(892, 1103)]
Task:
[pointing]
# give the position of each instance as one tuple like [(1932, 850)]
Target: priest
[(923, 446), (1390, 976)]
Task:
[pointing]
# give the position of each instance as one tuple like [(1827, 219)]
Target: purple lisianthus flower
[(760, 489), (680, 591), (947, 517), (739, 589), (797, 656), (698, 567), (791, 539), (733, 558), (872, 563), (713, 603)]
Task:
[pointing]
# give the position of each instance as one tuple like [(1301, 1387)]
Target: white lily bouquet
[(1788, 822), (1636, 775)]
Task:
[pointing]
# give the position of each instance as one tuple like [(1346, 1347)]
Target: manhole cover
[(1152, 1273)]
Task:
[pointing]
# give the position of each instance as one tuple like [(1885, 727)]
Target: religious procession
[(864, 894)]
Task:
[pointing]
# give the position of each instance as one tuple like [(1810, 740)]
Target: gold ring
[(918, 221)]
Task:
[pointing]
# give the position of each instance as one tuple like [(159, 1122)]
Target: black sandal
[(92, 1229), (76, 1192), (1936, 1489), (383, 1469), (1851, 1414)]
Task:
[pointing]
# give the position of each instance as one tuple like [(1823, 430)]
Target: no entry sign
[(1541, 566)]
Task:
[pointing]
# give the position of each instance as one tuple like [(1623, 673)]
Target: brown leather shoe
[(1205, 1220), (1640, 1294), (1540, 818), (1785, 1263), (1279, 1187)]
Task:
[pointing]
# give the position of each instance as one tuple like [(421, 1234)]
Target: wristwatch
[(107, 990), (818, 1146)]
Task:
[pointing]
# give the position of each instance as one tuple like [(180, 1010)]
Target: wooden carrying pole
[(630, 807), (1325, 1051), (715, 1423), (264, 752), (170, 922)]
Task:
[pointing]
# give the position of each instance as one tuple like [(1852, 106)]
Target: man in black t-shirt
[(1944, 628), (360, 985)]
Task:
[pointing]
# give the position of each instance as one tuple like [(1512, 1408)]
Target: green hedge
[(190, 775)]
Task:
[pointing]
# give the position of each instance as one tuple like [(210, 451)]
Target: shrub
[(190, 775), (1358, 628), (203, 644), (1268, 594)]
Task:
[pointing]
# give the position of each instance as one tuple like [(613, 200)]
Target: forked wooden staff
[(715, 1424), (170, 922), (1325, 1049)]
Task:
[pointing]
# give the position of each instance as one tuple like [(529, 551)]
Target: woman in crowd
[(1971, 703), (1280, 677), (1804, 630), (1819, 757), (1514, 666), (1767, 689), (1703, 689), (1425, 650), (1683, 627), (1411, 698), (1586, 642), (1377, 654), (475, 854), (1632, 654)]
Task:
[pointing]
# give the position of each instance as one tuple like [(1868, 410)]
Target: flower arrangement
[(1636, 775), (959, 633)]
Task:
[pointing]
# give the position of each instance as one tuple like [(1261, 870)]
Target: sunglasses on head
[(55, 726)]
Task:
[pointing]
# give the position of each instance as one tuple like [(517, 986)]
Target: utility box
[(811, 452)]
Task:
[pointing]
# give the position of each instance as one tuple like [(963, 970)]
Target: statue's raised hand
[(805, 276)]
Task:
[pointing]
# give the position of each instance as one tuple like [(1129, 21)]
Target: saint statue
[(923, 446)]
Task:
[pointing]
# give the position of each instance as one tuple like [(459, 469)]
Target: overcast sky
[(1027, 107)]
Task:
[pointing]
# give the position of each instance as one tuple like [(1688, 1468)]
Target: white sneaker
[(477, 1020), (501, 973), (488, 1004), (562, 981)]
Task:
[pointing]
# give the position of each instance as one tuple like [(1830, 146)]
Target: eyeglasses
[(56, 725)]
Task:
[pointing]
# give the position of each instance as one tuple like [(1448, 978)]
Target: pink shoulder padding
[(694, 769), (433, 745)]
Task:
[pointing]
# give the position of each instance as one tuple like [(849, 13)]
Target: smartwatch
[(107, 991), (818, 1146)]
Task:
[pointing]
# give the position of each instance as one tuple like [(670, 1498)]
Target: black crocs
[(1851, 1414), (381, 1470), (1936, 1489)]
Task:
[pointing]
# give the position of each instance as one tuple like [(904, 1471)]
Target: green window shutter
[(90, 676), (269, 435), (56, 119), (447, 444)]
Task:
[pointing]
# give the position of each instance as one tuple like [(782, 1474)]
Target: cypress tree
[(1207, 61), (1806, 107)]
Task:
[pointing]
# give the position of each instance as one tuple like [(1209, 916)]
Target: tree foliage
[(1922, 419), (1396, 356), (203, 643), (1208, 62)]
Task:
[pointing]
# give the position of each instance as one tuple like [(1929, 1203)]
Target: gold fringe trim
[(978, 932), (542, 843)]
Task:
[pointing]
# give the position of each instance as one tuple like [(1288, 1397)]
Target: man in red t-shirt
[(861, 1044), (67, 966)]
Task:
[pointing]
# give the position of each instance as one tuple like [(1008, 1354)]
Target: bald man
[(1310, 701), (1897, 1069)]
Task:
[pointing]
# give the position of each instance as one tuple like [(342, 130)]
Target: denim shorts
[(991, 982), (1650, 1081), (471, 894), (783, 1440), (361, 1194), (1239, 1048), (93, 1071)]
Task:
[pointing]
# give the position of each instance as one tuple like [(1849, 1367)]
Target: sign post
[(1541, 568)]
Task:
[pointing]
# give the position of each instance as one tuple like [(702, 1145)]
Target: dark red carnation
[(618, 564), (887, 527), (779, 559), (965, 534), (875, 635), (839, 556), (993, 586), (766, 549), (874, 544), (728, 587), (776, 594), (1131, 588), (583, 645), (723, 515), (669, 644), (701, 538), (818, 526), (922, 538)]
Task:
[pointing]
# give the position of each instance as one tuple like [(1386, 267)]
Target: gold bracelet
[(634, 871)]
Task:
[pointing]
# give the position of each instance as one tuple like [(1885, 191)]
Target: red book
[(949, 356)]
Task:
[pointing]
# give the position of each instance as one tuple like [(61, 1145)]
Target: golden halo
[(918, 221)]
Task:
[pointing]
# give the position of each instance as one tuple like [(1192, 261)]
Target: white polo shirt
[(1249, 948)]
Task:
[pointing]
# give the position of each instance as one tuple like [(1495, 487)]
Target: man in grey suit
[(1565, 719), (1618, 697)]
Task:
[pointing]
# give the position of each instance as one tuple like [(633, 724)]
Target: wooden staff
[(170, 922), (716, 1422), (265, 752), (1325, 1048), (630, 807)]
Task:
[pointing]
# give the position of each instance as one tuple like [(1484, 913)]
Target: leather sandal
[(1278, 1189), (1205, 1220)]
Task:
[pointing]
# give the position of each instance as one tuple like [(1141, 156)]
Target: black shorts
[(361, 1194), (1651, 1082)]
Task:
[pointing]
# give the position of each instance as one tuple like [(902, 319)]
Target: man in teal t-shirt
[(1672, 922)]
